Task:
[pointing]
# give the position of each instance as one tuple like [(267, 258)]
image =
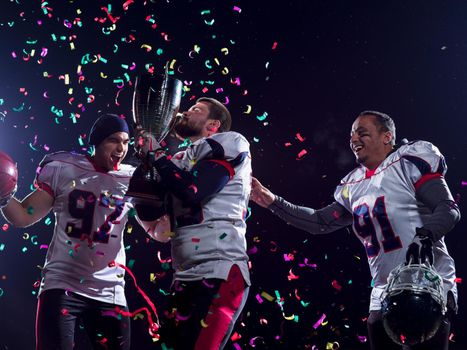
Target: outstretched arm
[(30, 210), (325, 220), (260, 194)]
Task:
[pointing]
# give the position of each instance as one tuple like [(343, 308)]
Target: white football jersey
[(90, 217), (386, 212), (210, 237)]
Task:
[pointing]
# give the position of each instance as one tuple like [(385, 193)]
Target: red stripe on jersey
[(46, 188), (426, 178), (226, 165)]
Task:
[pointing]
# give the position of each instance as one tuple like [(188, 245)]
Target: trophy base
[(136, 198), (143, 190)]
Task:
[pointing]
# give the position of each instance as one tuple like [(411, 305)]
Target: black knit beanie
[(105, 126)]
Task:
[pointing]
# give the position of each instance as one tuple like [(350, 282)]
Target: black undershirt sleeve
[(207, 177), (319, 221), (435, 194)]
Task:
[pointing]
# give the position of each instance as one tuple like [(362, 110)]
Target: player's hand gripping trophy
[(156, 101)]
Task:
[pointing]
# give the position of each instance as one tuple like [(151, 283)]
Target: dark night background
[(305, 70)]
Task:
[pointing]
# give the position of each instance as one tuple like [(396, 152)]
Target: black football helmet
[(414, 305)]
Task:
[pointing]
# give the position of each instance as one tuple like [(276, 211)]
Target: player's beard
[(183, 129)]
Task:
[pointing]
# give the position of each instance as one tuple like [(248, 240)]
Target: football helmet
[(414, 303)]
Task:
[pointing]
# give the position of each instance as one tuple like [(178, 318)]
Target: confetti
[(267, 296), (301, 154), (319, 322), (299, 137), (262, 117), (336, 285)]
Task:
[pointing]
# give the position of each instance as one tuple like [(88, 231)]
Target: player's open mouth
[(357, 149), (115, 159)]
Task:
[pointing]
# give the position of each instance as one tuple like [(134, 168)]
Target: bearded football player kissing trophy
[(208, 186)]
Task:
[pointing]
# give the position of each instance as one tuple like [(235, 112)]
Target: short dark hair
[(219, 112), (384, 121)]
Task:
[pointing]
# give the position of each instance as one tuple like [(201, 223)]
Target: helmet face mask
[(414, 305)]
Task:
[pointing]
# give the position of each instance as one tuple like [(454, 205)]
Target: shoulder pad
[(424, 155), (62, 156), (419, 147), (227, 145)]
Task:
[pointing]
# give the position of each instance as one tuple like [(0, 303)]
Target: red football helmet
[(8, 178)]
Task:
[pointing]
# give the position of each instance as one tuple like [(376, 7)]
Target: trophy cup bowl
[(156, 100)]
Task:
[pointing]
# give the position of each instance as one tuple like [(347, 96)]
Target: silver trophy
[(156, 101)]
